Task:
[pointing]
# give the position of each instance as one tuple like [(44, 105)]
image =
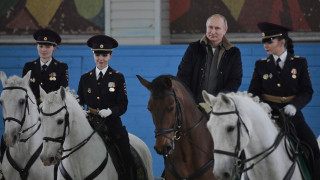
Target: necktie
[(278, 65), (100, 76), (44, 67)]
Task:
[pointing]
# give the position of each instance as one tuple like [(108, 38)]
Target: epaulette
[(263, 59), (117, 72)]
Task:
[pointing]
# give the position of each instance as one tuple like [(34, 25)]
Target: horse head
[(14, 101), (230, 131), (54, 117), (163, 107)]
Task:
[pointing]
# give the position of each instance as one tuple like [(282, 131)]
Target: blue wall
[(149, 62)]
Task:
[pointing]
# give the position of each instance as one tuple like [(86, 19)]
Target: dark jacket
[(294, 79), (113, 94), (191, 70), (56, 75)]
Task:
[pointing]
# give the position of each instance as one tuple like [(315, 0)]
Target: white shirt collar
[(104, 70), (283, 58), (47, 63)]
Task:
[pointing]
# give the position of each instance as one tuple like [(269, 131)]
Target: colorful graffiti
[(189, 16), (63, 16)]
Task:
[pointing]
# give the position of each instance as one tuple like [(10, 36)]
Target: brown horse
[(180, 130)]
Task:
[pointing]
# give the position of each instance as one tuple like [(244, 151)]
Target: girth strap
[(196, 175), (93, 175), (24, 172)]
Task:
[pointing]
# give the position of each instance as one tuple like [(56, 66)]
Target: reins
[(240, 162), (178, 134)]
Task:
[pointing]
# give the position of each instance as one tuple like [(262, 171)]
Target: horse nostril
[(166, 149), (51, 159), (226, 175)]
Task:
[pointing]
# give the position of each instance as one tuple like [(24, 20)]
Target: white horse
[(65, 124), (239, 122), (22, 131)]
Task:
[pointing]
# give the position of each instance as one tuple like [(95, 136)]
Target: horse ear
[(168, 83), (208, 98), (144, 82), (62, 93), (3, 78), (42, 93), (26, 77), (225, 98)]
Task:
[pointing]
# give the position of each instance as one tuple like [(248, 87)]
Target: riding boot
[(316, 169)]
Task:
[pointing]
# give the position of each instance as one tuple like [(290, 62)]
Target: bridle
[(62, 138), (239, 161), (26, 108), (178, 133)]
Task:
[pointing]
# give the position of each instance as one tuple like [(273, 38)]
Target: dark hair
[(289, 45)]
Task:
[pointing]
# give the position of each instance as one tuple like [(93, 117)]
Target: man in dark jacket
[(212, 63)]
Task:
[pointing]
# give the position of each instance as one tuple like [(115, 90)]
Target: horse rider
[(282, 80), (46, 71), (103, 91)]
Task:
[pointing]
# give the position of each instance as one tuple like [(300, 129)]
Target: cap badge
[(101, 46), (265, 76), (45, 38)]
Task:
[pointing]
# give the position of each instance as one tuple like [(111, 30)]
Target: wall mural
[(64, 16), (189, 16)]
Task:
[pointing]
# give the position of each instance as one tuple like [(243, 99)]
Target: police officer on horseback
[(103, 91), (282, 80)]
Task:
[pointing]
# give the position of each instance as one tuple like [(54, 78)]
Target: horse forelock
[(15, 81)]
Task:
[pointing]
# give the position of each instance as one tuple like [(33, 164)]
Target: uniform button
[(41, 83), (98, 83), (98, 97), (279, 85)]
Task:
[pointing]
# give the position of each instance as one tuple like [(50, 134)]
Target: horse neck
[(198, 139), (80, 128), (262, 136)]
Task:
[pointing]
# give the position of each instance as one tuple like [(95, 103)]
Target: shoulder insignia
[(292, 58), (34, 62), (117, 72), (90, 73), (110, 72), (263, 59), (55, 63), (297, 56)]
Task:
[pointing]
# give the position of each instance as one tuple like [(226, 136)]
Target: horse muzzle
[(48, 161), (10, 140), (164, 145)]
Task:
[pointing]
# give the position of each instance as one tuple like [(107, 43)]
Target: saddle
[(118, 160)]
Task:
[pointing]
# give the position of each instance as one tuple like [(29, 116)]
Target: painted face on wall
[(215, 30), (101, 60)]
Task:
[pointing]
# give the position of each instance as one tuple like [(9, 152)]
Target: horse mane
[(158, 85), (255, 99)]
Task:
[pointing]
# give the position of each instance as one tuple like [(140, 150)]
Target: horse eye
[(22, 101), (230, 128), (60, 121), (171, 109)]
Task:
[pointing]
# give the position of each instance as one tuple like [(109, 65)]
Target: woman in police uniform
[(282, 80), (103, 91), (47, 72)]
